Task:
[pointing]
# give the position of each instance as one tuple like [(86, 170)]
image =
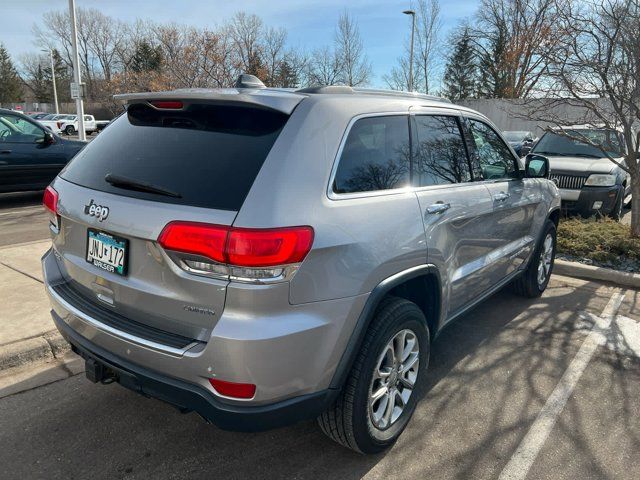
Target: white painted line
[(526, 453)]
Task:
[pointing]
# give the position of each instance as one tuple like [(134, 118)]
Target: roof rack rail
[(344, 89), (327, 89), (400, 93)]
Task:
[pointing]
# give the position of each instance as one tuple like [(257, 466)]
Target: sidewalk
[(27, 332)]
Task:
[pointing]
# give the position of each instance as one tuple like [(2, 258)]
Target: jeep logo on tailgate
[(98, 211)]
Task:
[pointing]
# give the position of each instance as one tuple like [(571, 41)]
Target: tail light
[(50, 202), (243, 253)]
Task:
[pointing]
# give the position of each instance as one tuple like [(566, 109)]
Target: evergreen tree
[(287, 77), (146, 58), (63, 78), (10, 83), (461, 74), (493, 65)]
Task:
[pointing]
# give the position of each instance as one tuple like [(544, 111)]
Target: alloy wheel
[(546, 257), (394, 379)]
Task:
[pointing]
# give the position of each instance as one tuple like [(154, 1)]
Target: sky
[(309, 23)]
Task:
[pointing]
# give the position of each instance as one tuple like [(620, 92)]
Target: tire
[(69, 130), (616, 213), (528, 283), (352, 420)]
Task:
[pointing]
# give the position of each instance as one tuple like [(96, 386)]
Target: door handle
[(501, 197), (4, 152), (438, 207)]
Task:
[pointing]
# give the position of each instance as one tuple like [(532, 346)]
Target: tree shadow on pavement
[(490, 374)]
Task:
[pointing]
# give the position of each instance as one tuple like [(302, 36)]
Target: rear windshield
[(207, 155)]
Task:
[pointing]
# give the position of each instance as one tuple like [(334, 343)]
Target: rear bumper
[(192, 397), (581, 202)]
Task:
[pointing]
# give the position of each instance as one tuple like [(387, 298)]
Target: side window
[(495, 158), (441, 156), (14, 129), (376, 156)]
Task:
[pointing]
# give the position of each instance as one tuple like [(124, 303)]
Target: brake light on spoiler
[(242, 253)]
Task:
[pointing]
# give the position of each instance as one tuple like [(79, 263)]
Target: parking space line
[(526, 453)]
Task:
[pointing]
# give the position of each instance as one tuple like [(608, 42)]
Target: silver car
[(264, 256)]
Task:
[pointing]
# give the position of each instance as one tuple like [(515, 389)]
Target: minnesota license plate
[(107, 251)]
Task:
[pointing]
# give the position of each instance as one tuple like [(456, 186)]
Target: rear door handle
[(501, 197), (438, 207)]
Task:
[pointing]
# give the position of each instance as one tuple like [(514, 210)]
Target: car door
[(455, 210), (516, 200), (27, 161)]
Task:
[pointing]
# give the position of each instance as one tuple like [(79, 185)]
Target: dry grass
[(602, 241)]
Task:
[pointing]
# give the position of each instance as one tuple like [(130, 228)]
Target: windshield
[(516, 136), (569, 144)]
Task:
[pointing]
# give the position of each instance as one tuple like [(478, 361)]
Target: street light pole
[(413, 30), (76, 70), (53, 79)]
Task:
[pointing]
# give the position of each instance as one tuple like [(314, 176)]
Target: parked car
[(589, 182), (30, 155), (39, 115), (263, 256), (70, 125), (54, 121), (521, 141)]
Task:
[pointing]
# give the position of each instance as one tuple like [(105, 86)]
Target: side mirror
[(536, 166), (48, 138)]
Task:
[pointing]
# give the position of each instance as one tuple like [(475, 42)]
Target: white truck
[(70, 125), (53, 121)]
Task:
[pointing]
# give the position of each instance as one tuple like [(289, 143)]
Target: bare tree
[(275, 40), (513, 39), (597, 69), (398, 77), (325, 67), (428, 28), (356, 69), (427, 52), (246, 31)]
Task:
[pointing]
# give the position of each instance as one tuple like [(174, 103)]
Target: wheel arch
[(554, 216), (420, 284)]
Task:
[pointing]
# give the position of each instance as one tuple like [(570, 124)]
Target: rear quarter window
[(209, 154), (376, 156)]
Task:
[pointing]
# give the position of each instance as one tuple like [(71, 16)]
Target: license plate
[(107, 251)]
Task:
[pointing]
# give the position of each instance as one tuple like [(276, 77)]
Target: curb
[(589, 272), (46, 347)]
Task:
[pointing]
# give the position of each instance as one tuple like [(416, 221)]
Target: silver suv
[(264, 256)]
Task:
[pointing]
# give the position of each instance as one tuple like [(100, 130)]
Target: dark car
[(521, 141), (30, 155), (39, 115)]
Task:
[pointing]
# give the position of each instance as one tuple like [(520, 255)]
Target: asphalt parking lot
[(546, 388)]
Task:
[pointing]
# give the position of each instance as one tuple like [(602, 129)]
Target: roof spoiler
[(264, 98)]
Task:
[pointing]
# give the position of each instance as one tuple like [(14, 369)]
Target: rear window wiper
[(138, 185)]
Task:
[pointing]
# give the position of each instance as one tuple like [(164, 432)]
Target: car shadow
[(490, 373)]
